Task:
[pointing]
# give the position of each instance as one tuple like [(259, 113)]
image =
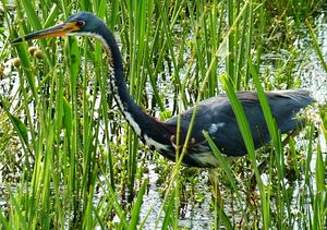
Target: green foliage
[(80, 165)]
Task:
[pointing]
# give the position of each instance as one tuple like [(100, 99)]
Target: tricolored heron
[(214, 115)]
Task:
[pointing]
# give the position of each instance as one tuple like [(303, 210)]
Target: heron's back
[(215, 116)]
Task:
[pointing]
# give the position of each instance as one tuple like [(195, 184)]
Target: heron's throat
[(151, 131), (117, 83)]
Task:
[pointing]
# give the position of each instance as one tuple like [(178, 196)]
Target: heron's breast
[(153, 144)]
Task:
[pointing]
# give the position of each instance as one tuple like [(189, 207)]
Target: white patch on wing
[(214, 127), (149, 141)]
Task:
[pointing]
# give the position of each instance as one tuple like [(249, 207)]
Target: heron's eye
[(80, 23)]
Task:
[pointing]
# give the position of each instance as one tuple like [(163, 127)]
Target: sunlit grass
[(79, 164)]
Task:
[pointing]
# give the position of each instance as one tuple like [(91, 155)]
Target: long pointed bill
[(55, 31)]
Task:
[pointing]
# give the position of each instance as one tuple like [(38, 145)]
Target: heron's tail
[(295, 101)]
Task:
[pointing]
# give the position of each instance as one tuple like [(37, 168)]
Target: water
[(313, 78), (195, 215), (199, 215)]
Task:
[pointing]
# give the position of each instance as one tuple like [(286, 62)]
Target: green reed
[(81, 164)]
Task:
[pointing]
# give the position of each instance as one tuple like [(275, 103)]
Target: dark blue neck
[(145, 126)]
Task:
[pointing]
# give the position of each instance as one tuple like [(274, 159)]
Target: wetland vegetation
[(69, 160)]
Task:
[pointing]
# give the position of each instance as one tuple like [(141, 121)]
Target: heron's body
[(214, 115)]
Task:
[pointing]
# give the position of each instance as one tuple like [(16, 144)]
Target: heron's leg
[(289, 135), (218, 201), (213, 178)]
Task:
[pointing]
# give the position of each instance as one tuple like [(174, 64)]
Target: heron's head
[(79, 23)]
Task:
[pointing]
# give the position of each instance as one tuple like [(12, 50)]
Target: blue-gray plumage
[(214, 115)]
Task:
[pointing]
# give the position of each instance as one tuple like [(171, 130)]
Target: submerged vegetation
[(68, 159)]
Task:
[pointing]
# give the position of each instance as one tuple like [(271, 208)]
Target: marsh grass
[(81, 165)]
